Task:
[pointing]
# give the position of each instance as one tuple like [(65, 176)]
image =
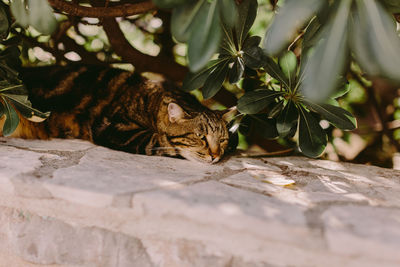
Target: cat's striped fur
[(123, 111)]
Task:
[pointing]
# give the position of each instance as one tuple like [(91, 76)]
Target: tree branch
[(142, 62), (123, 10), (160, 64)]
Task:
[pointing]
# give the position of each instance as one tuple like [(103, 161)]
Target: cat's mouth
[(197, 158)]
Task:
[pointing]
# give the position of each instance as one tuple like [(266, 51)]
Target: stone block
[(71, 203)]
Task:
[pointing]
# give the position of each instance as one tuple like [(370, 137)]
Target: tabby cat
[(123, 111)]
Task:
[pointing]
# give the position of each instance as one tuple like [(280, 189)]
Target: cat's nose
[(214, 151), (215, 158)]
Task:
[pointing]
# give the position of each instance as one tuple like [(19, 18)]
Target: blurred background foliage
[(308, 53)]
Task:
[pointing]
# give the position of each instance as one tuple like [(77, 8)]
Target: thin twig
[(122, 10), (295, 40)]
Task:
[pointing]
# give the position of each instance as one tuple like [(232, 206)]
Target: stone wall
[(70, 203)]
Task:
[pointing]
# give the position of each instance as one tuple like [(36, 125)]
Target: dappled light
[(300, 81), (247, 206), (199, 133), (334, 187), (229, 209)]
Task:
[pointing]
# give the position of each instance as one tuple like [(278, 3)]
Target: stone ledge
[(71, 203)]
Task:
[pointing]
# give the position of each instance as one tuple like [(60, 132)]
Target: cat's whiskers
[(196, 156), (165, 147)]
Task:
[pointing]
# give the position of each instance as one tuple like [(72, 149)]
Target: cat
[(123, 111)]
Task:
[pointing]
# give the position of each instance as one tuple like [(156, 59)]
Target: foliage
[(332, 31), (36, 13), (289, 108), (198, 24), (13, 94), (314, 55)]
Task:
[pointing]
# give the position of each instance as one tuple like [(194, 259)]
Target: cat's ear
[(229, 114), (175, 112)]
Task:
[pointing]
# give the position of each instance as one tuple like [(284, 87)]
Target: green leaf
[(254, 101), (310, 39), (251, 42), (253, 57), (258, 123), (337, 116), (4, 22), (287, 120), (36, 13), (380, 55), (247, 15), (358, 34), (312, 138), (12, 119), (329, 57), (228, 46), (343, 88), (20, 13), (8, 73), (182, 20), (235, 38), (169, 3), (196, 80), (273, 69), (264, 126), (24, 106), (41, 16), (205, 36), (333, 102), (310, 34), (292, 16), (236, 72), (215, 80), (10, 57), (228, 11), (276, 110), (252, 54), (288, 64)]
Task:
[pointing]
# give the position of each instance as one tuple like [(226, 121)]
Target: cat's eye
[(201, 136), (223, 140)]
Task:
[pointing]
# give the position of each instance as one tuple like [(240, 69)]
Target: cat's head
[(199, 136)]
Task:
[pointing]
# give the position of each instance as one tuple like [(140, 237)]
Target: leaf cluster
[(337, 33), (198, 23), (288, 83), (13, 95), (288, 112), (302, 88)]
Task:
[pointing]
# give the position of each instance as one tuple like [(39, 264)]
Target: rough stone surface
[(71, 203)]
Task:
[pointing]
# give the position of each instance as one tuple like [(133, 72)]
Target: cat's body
[(123, 111)]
